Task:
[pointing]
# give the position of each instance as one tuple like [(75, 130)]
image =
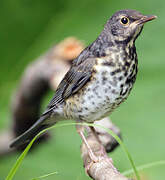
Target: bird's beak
[(145, 19)]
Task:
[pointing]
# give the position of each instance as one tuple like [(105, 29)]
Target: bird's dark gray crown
[(114, 33), (114, 28), (127, 12)]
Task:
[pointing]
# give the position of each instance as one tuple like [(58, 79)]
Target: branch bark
[(104, 168)]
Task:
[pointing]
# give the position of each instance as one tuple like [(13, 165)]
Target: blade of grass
[(145, 166), (19, 160), (24, 153), (44, 176)]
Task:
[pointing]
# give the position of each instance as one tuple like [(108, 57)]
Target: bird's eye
[(124, 20)]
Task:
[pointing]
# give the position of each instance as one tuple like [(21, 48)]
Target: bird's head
[(126, 25)]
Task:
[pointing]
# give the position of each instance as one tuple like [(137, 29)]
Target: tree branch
[(104, 168)]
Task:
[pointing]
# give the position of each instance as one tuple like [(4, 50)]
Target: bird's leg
[(80, 130), (102, 150), (94, 133)]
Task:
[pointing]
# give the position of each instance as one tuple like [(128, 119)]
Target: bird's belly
[(99, 97)]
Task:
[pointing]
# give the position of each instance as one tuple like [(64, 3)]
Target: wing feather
[(73, 81)]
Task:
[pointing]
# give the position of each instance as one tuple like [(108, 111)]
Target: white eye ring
[(124, 20)]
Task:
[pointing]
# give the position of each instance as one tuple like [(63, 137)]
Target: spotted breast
[(112, 80)]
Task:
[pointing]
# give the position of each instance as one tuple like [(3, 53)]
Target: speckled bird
[(100, 78)]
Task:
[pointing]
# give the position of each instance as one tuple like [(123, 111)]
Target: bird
[(99, 79)]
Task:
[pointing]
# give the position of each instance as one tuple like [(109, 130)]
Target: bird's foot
[(92, 156), (101, 156)]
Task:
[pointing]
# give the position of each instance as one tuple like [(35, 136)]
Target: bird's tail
[(30, 133)]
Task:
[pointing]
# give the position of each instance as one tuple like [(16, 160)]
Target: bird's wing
[(74, 80), (78, 75)]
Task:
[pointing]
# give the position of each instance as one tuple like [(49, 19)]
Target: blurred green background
[(28, 28)]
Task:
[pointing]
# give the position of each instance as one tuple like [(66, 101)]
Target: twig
[(104, 168)]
